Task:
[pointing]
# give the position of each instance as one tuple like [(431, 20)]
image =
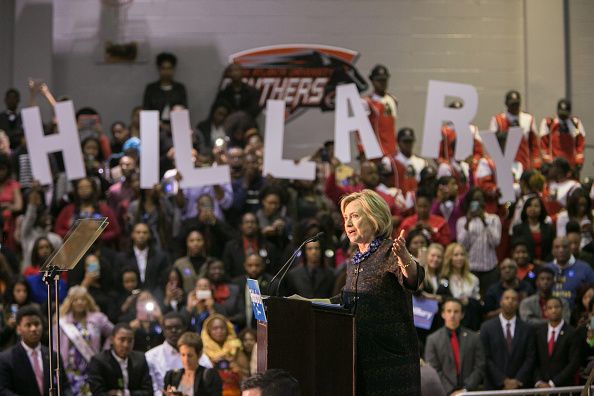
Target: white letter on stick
[(149, 148), (274, 164), (182, 141), (436, 113), (503, 162), (67, 141), (344, 125)]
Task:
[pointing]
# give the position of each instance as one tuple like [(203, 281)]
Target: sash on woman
[(77, 340)]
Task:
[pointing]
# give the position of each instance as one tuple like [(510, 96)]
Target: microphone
[(290, 261)]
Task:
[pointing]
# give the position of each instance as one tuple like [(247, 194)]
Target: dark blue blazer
[(500, 364), (18, 378)]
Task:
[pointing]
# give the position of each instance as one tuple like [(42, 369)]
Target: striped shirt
[(480, 241)]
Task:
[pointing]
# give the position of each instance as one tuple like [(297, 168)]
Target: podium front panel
[(316, 345)]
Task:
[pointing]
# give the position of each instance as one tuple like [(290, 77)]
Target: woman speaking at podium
[(378, 291)]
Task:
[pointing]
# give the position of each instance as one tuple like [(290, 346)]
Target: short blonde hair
[(375, 209)]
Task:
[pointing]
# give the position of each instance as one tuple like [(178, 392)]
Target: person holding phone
[(200, 305), (193, 379), (479, 233)]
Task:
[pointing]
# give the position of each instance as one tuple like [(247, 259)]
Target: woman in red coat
[(87, 206)]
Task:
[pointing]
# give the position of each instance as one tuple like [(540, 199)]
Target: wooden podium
[(314, 343)]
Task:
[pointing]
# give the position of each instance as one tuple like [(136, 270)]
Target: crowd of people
[(160, 303)]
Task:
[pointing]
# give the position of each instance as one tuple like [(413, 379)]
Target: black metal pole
[(47, 280), (56, 292)]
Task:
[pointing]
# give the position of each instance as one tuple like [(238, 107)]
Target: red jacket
[(569, 145), (529, 151), (335, 192), (383, 122), (440, 232), (66, 219)]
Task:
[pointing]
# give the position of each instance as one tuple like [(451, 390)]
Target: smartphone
[(169, 186), (14, 308), (93, 267), (203, 294)]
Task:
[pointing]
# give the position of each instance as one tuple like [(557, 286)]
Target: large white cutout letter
[(503, 162), (274, 164), (345, 124), (149, 148), (67, 141), (436, 112), (182, 141)]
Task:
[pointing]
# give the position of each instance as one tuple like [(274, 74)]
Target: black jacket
[(156, 267), (562, 365), (156, 99), (499, 363), (299, 281), (18, 378), (246, 100), (105, 374), (206, 381), (547, 234), (234, 257)]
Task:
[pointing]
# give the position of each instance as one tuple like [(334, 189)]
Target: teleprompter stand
[(76, 243)]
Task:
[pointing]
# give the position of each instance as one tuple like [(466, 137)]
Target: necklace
[(359, 257)]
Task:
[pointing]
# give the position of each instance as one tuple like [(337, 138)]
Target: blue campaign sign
[(256, 297), (424, 311)]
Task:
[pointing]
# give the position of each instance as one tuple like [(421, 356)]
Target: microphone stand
[(52, 274), (287, 266)]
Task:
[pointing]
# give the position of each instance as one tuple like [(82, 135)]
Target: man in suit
[(312, 279), (532, 308), (508, 279), (120, 370), (145, 258), (24, 368), (254, 269), (250, 242), (509, 347), (557, 352), (455, 352)]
